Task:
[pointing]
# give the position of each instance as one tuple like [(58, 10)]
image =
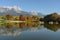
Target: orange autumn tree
[(9, 17), (22, 18)]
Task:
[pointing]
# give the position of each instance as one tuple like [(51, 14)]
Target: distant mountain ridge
[(14, 10)]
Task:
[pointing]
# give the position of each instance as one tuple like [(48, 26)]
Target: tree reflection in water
[(53, 27), (20, 27), (9, 25)]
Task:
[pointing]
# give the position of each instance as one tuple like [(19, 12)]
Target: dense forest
[(54, 17)]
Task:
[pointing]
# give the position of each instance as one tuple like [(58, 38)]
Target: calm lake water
[(30, 31)]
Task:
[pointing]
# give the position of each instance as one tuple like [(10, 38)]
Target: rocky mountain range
[(14, 10)]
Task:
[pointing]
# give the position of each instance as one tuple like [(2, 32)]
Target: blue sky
[(43, 6)]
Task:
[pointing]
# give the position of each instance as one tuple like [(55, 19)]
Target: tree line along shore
[(19, 18), (51, 18)]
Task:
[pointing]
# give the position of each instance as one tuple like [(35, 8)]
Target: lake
[(29, 31)]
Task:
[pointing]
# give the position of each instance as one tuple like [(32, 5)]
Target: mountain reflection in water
[(17, 28)]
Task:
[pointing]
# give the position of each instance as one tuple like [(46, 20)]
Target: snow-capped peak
[(10, 7), (16, 8), (6, 8), (34, 12)]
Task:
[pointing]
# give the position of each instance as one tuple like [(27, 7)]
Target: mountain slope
[(14, 10)]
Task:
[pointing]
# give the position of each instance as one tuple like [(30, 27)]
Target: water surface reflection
[(29, 31)]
